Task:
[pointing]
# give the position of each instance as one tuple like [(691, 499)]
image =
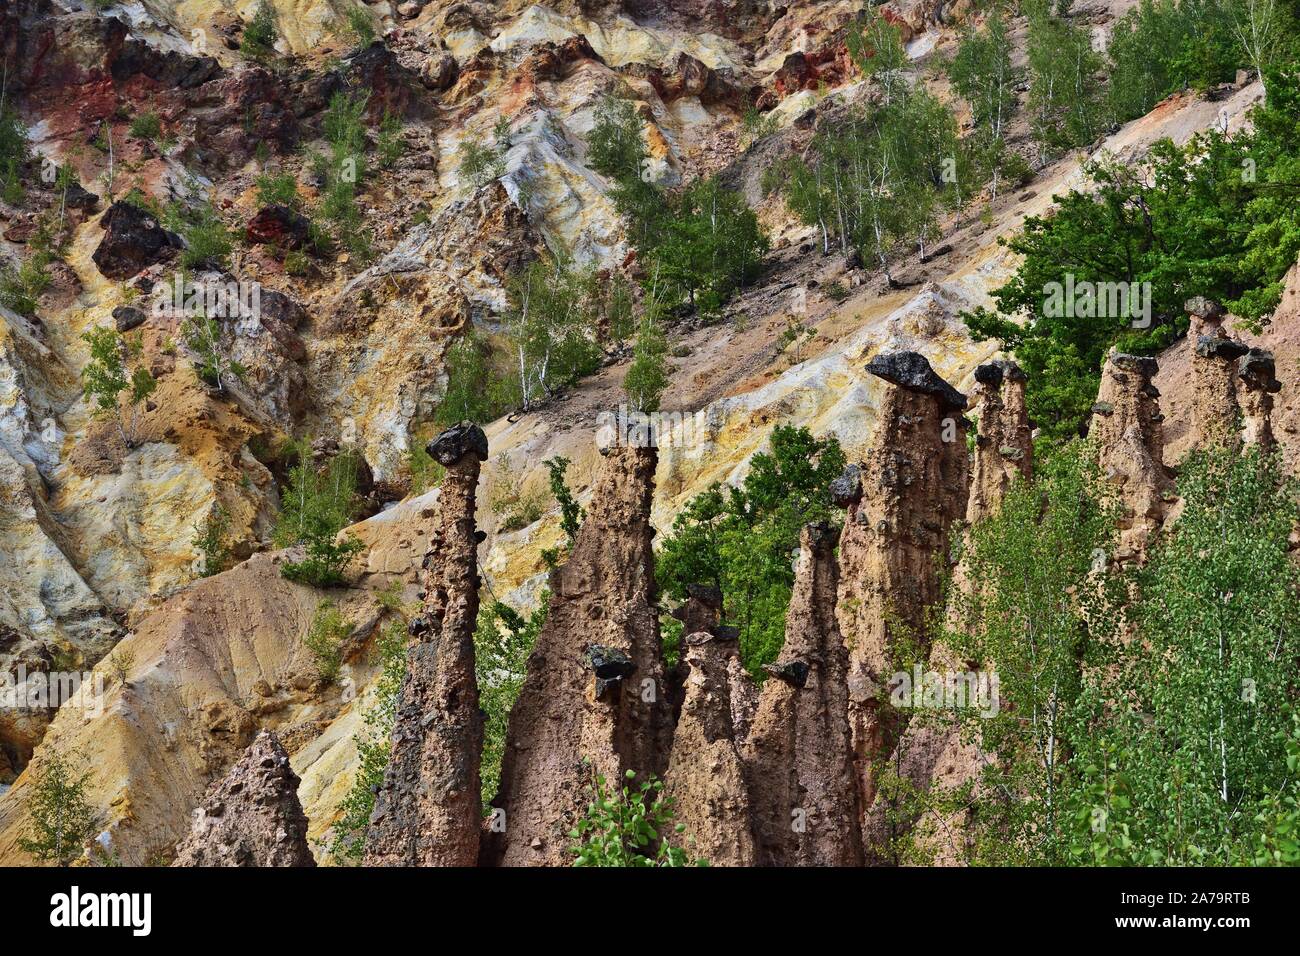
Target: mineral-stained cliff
[(900, 505), (799, 753), (594, 701), (251, 816), (428, 812)]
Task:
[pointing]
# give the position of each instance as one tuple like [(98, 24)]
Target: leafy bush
[(503, 639), (647, 376), (741, 539), (476, 390), (480, 164), (374, 745), (207, 240), (360, 25), (60, 819), (260, 33), (212, 362), (318, 503), (324, 638), (210, 540), (277, 190), (627, 827), (13, 155), (147, 126), (107, 375)]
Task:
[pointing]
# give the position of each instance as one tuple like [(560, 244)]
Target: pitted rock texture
[(429, 810), (706, 778), (561, 732), (252, 816), (914, 486), (1127, 428), (1004, 447), (799, 754)]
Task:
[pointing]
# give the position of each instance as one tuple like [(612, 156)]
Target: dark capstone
[(611, 666), (1258, 365), (1203, 308), (456, 442), (990, 373), (1220, 347), (1142, 364), (706, 594), (418, 626), (133, 239), (910, 370), (847, 488), (480, 536), (127, 317), (794, 673)]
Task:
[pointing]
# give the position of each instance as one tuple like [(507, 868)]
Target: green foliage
[(647, 376), (13, 155), (212, 362), (700, 244), (324, 638), (480, 164), (60, 819), (981, 71), (503, 639), (741, 539), (571, 513), (344, 170), (1187, 752), (1215, 217), (207, 240), (1039, 602), (21, 287), (318, 503), (477, 391), (210, 541), (1065, 89), (516, 506), (277, 190), (389, 143), (107, 375), (360, 25), (147, 126), (425, 472), (879, 177), (260, 33), (373, 742), (627, 827), (551, 328)]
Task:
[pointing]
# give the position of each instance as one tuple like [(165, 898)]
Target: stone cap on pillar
[(912, 371), (454, 443)]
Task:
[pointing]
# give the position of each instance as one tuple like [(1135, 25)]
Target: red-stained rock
[(278, 226)]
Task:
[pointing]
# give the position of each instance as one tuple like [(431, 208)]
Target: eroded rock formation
[(901, 503), (1214, 380), (429, 810), (593, 701), (706, 778), (799, 755), (1258, 378), (252, 816), (1126, 425), (1004, 446)]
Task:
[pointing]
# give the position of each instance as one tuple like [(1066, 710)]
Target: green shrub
[(278, 190), (627, 827), (315, 507), (503, 639), (360, 25), (13, 154), (212, 362), (147, 126), (60, 819), (324, 638), (260, 33), (210, 540), (107, 375), (740, 539)]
